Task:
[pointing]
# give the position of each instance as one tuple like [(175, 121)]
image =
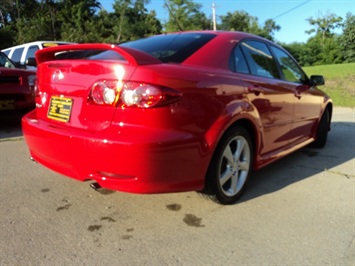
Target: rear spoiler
[(133, 56)]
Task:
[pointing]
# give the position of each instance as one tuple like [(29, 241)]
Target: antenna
[(171, 13)]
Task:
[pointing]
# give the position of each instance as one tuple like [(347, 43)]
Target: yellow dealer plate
[(60, 108)]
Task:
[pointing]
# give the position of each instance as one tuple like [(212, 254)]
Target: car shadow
[(304, 163), (10, 124)]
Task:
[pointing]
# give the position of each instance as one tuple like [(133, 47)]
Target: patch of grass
[(339, 82)]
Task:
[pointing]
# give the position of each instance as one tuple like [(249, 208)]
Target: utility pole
[(214, 16)]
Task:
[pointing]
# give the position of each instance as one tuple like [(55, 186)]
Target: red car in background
[(174, 112), (16, 86)]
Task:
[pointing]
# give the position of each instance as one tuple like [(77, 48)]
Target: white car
[(20, 53)]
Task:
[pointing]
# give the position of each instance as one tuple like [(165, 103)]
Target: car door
[(307, 99), (270, 95)]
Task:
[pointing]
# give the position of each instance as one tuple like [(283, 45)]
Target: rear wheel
[(230, 167), (322, 131)]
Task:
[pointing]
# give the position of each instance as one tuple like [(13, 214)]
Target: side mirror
[(317, 80), (31, 61)]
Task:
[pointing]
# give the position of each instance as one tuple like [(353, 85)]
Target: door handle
[(256, 89), (298, 94)]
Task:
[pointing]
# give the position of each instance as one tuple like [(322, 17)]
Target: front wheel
[(230, 166), (322, 131)]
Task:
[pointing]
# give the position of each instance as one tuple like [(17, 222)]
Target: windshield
[(5, 61)]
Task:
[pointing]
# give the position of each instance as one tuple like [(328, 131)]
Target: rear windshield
[(171, 48)]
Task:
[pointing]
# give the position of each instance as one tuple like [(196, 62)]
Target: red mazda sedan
[(188, 111)]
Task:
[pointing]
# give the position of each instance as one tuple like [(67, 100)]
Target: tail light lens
[(131, 94), (141, 95), (105, 92), (35, 87)]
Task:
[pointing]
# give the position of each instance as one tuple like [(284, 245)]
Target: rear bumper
[(125, 158)]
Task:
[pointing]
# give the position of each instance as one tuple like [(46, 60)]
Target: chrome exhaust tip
[(95, 186), (33, 160)]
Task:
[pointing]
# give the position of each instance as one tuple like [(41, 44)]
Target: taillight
[(131, 94), (105, 92), (141, 95), (36, 87)]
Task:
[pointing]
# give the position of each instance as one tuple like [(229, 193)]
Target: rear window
[(171, 48)]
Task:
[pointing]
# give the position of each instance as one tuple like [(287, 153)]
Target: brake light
[(141, 95), (36, 87), (131, 94), (105, 92)]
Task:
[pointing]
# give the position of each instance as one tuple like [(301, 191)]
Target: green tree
[(78, 20), (43, 24), (185, 15), (242, 21), (298, 51), (347, 40), (6, 38), (325, 41), (133, 20)]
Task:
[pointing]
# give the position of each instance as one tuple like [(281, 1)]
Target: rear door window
[(238, 62)]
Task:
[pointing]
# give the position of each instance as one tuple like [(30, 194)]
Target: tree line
[(83, 21)]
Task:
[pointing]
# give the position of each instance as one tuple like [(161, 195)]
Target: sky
[(290, 15)]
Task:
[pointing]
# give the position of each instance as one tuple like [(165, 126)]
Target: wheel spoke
[(240, 148), (225, 176), (228, 155), (233, 188), (244, 165)]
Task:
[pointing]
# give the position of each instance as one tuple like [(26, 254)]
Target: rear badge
[(57, 75), (60, 108)]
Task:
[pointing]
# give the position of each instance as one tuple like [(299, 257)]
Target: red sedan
[(175, 112), (16, 86)]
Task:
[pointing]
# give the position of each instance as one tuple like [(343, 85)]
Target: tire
[(230, 166), (322, 131)]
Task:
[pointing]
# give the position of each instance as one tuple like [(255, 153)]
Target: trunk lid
[(66, 74), (64, 89)]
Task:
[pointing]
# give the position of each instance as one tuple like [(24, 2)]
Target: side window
[(260, 60), (31, 51), (7, 52), (238, 62), (290, 70), (16, 56)]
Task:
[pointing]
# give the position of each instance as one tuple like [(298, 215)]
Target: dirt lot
[(298, 211)]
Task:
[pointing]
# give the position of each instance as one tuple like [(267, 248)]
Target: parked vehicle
[(21, 53), (16, 86), (174, 112)]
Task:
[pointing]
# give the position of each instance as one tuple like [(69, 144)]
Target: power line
[(290, 10)]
